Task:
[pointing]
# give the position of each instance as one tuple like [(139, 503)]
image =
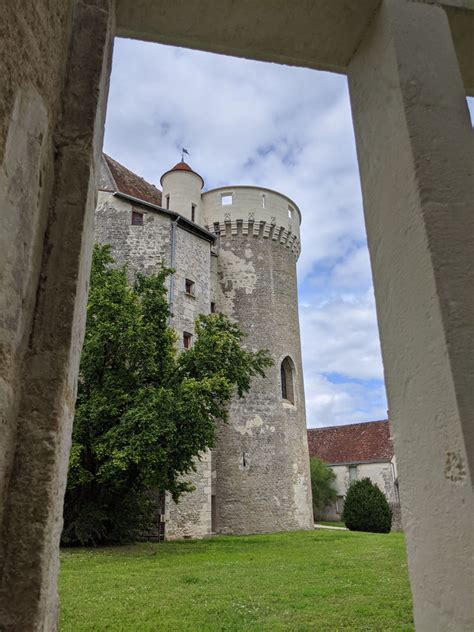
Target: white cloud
[(290, 129), (340, 336), (330, 404)]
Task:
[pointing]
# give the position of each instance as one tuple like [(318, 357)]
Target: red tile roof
[(354, 443), (182, 166), (129, 183)]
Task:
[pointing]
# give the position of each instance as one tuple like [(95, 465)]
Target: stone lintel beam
[(47, 382), (415, 151), (321, 34)]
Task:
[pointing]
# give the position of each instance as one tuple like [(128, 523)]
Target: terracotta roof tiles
[(181, 166), (129, 183), (354, 443)]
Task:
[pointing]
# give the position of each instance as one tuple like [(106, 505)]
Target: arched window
[(287, 388)]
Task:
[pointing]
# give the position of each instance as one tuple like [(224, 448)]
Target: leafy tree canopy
[(144, 411), (322, 478), (366, 508)]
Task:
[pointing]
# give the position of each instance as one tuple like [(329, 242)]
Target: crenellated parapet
[(253, 211), (260, 228)]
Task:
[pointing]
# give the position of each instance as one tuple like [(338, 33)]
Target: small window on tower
[(189, 287), (137, 218), (226, 199), (213, 308), (193, 212), (286, 376), (167, 202), (187, 340), (263, 199), (290, 211)]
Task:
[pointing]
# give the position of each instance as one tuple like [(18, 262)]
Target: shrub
[(322, 478), (366, 508)]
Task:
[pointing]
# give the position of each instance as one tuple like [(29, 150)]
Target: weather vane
[(184, 151)]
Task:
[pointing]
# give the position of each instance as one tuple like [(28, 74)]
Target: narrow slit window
[(187, 340), (167, 202), (287, 379), (189, 287), (193, 212), (263, 200), (226, 199), (290, 212), (137, 218), (213, 307)]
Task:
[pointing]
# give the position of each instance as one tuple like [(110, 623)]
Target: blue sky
[(289, 129)]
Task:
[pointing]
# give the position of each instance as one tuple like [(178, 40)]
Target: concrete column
[(415, 151), (54, 119)]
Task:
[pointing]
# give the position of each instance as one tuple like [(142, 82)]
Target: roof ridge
[(355, 423)]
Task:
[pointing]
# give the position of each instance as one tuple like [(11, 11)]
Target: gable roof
[(129, 183), (354, 443)]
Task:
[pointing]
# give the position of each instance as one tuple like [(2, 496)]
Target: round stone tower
[(182, 191), (260, 463)]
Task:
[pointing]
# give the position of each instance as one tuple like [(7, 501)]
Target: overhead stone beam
[(321, 34)]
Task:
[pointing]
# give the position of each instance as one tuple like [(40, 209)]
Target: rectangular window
[(189, 287), (290, 211), (137, 218), (226, 199), (193, 212), (352, 473), (167, 202), (213, 308), (187, 340)]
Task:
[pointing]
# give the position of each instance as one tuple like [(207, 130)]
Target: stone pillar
[(53, 107), (415, 151)]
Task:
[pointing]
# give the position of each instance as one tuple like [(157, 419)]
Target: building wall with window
[(354, 452), (237, 257)]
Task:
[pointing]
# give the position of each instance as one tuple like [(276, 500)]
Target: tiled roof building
[(353, 443), (356, 451)]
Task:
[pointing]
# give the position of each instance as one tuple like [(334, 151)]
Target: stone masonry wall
[(29, 108), (145, 249), (261, 464)]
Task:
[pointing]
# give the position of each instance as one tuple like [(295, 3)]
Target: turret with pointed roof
[(182, 191)]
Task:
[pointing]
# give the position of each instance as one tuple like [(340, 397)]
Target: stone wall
[(146, 249), (191, 516), (142, 248), (261, 459), (29, 108), (53, 94)]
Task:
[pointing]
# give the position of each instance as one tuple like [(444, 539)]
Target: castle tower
[(182, 191), (261, 467)]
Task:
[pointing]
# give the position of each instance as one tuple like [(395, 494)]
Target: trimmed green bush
[(366, 508)]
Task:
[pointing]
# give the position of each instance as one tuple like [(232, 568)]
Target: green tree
[(366, 508), (144, 411), (322, 478)]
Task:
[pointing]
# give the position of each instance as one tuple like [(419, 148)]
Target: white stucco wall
[(382, 474)]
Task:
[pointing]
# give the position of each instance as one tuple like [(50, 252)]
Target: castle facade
[(234, 250)]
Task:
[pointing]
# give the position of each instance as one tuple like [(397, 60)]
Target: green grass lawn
[(313, 580)]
